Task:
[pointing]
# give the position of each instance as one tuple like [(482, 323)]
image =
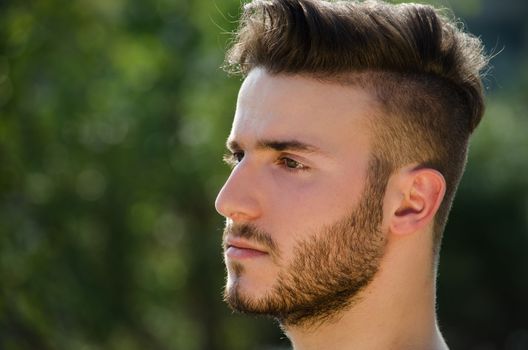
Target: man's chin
[(242, 299), (248, 284), (238, 301)]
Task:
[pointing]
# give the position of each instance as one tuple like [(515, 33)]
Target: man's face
[(302, 215)]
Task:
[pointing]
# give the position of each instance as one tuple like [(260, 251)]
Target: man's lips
[(238, 249)]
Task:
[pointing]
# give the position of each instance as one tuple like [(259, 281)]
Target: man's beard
[(328, 269)]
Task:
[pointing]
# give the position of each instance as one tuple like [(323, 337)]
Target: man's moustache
[(250, 233)]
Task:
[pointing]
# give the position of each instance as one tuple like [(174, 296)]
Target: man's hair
[(418, 63)]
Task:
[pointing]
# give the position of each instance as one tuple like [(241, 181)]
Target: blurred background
[(113, 116)]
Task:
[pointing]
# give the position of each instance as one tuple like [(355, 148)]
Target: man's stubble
[(328, 269)]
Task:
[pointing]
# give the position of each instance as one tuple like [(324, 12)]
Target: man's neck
[(395, 311)]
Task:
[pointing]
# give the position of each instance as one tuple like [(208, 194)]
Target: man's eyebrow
[(286, 145), (232, 145), (277, 145)]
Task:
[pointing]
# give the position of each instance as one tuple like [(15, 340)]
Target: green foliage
[(112, 119)]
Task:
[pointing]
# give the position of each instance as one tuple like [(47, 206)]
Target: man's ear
[(416, 195)]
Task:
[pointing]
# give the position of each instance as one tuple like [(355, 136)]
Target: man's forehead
[(302, 93), (288, 109)]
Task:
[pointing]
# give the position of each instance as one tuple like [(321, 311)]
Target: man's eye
[(237, 156), (233, 158), (291, 164)]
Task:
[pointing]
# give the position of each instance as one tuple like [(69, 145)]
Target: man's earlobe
[(420, 194)]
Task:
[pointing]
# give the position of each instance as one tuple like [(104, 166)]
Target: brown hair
[(422, 67)]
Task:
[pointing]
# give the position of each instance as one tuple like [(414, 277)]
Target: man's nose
[(238, 199)]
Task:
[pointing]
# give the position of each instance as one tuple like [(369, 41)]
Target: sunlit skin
[(292, 192), (300, 150)]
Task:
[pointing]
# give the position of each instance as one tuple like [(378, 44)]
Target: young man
[(349, 140)]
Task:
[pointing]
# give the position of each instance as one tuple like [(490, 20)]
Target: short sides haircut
[(423, 69)]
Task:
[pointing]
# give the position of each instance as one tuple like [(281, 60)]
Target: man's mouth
[(236, 249)]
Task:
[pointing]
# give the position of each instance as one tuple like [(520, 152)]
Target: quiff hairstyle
[(422, 68)]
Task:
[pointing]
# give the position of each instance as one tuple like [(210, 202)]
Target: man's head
[(353, 92)]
